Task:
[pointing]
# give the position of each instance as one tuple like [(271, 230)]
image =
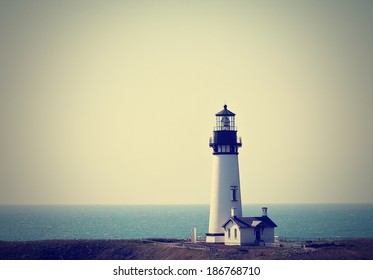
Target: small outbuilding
[(249, 230)]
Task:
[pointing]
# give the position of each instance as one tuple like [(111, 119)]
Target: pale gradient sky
[(113, 101)]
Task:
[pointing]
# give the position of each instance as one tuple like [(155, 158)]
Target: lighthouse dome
[(225, 112)]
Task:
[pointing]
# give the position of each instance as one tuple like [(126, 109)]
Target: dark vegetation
[(161, 249)]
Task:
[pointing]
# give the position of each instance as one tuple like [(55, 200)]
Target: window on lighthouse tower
[(226, 123), (234, 193)]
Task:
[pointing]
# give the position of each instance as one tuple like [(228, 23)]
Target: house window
[(235, 233), (234, 193), (229, 233)]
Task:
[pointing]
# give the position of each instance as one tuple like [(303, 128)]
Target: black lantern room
[(225, 139)]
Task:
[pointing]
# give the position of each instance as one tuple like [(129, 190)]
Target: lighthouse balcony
[(216, 141), (225, 148)]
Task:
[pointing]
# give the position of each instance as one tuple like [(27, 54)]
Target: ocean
[(303, 221)]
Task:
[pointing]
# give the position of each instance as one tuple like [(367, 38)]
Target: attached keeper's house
[(249, 230)]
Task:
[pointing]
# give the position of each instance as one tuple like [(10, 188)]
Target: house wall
[(232, 239), (247, 236), (268, 235)]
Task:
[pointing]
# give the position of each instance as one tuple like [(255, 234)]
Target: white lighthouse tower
[(225, 186)]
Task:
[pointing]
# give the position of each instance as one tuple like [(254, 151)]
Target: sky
[(113, 102)]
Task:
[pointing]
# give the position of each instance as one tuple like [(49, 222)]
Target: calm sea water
[(175, 221)]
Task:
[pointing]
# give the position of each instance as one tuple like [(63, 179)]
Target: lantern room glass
[(225, 123)]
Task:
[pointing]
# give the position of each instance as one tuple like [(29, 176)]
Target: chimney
[(264, 211), (233, 212)]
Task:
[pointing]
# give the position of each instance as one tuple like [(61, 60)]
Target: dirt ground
[(356, 249)]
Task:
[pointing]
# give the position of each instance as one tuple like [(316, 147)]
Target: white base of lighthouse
[(225, 194), (215, 238)]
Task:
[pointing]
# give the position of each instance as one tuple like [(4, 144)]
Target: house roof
[(255, 222)]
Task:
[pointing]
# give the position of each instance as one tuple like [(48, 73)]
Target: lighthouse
[(225, 184)]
